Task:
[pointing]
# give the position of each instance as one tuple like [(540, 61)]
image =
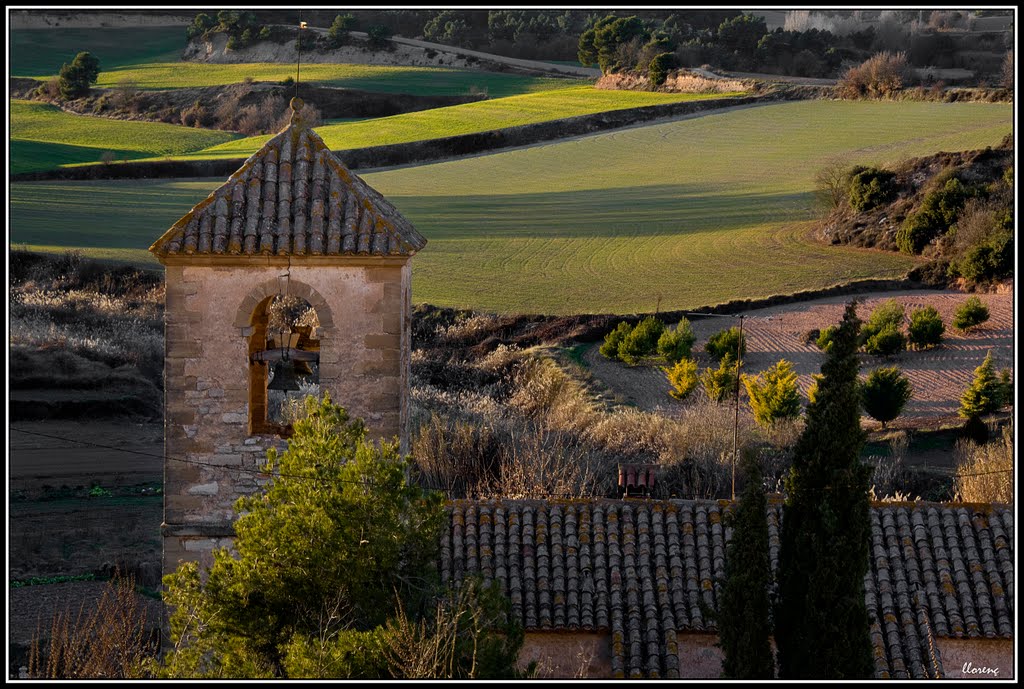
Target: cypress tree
[(744, 609), (821, 620)]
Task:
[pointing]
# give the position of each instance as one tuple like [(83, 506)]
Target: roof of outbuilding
[(292, 198), (647, 571)]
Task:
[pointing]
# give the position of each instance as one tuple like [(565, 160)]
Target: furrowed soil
[(938, 376), (79, 510)]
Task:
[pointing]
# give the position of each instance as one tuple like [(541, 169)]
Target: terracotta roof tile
[(292, 198), (646, 571)]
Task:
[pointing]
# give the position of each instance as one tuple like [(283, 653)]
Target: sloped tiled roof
[(292, 198), (647, 571)]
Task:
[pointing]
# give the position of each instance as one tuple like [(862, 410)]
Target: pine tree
[(985, 395), (821, 620), (744, 609), (332, 559)]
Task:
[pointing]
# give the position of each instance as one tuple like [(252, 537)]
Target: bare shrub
[(456, 456), (805, 20), (687, 82), (1006, 74), (831, 185), (196, 115), (941, 20), (882, 75), (466, 329), (889, 476), (975, 224), (108, 641), (541, 463), (309, 114), (984, 473), (125, 94)]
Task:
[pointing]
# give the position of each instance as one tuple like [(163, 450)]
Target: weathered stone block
[(204, 489), (383, 341)]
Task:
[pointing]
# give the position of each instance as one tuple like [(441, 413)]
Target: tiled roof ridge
[(292, 197)]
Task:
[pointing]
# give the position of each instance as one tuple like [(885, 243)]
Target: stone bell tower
[(291, 222)]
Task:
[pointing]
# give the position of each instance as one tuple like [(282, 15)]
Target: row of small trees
[(774, 395), (882, 334)]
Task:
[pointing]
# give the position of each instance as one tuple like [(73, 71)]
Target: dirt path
[(938, 377)]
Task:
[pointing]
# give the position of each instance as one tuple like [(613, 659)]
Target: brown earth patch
[(938, 376)]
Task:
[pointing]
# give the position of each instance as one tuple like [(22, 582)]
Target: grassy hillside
[(692, 212), (36, 52), (43, 137), (469, 118)]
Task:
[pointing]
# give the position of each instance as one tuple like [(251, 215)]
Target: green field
[(420, 81), (44, 137), (467, 119), (43, 51), (691, 212)]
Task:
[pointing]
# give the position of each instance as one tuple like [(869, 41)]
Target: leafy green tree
[(677, 343), (985, 393), (821, 621), (730, 341), (659, 67), (337, 34), (886, 342), (938, 211), (885, 393), (378, 37), (773, 394), (600, 44), (926, 328), (744, 609), (200, 25), (741, 34), (335, 552), (612, 341), (682, 377), (642, 340), (824, 340), (720, 384), (970, 314), (882, 334), (75, 79), (870, 188)]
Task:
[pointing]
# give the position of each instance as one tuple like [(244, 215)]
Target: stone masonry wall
[(364, 363)]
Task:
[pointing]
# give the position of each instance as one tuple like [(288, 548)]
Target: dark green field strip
[(38, 52)]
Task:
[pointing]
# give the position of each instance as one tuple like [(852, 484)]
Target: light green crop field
[(468, 118), (692, 212), (422, 81), (36, 52), (44, 137)]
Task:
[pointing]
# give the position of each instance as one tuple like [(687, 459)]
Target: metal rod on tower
[(736, 416), (298, 53)]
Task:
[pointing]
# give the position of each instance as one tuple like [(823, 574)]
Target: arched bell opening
[(284, 362)]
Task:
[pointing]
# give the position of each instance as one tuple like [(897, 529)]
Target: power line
[(535, 495)]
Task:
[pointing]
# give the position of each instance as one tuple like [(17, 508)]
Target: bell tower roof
[(292, 198)]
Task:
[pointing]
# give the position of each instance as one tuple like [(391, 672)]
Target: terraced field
[(469, 118), (680, 214), (424, 81), (44, 137)]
